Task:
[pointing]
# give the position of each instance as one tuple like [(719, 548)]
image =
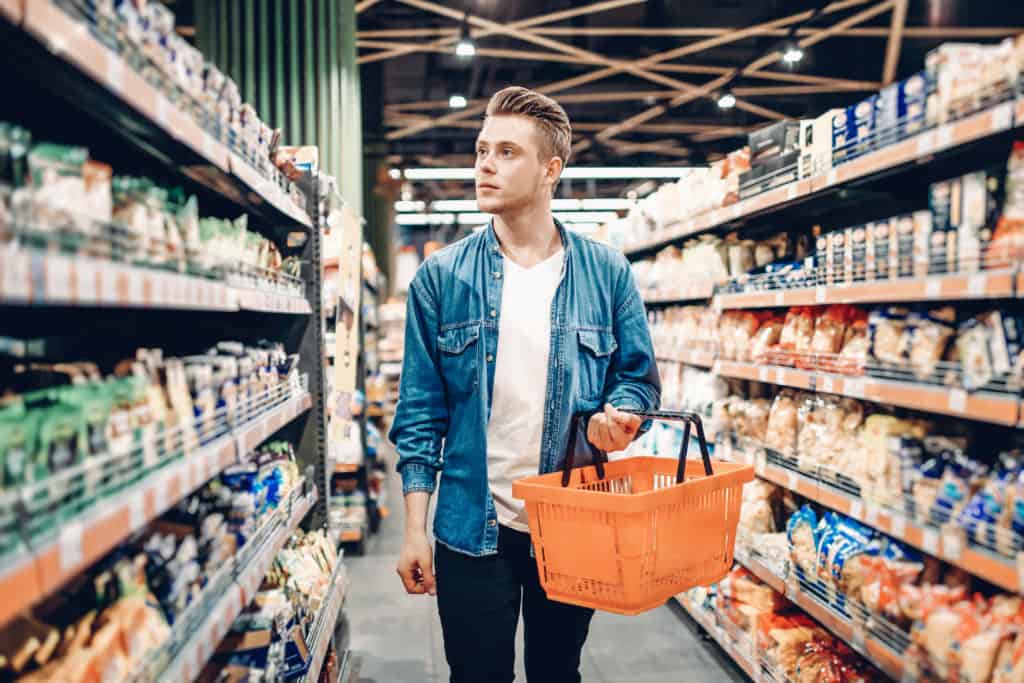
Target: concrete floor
[(396, 638)]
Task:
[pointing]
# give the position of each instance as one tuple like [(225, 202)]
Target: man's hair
[(556, 131)]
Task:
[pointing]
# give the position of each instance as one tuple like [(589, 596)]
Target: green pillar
[(295, 61)]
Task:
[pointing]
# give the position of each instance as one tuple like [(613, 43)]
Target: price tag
[(780, 376), (87, 273), (831, 177), (70, 546), (825, 384), (854, 388), (930, 542), (58, 278), (160, 496), (857, 510), (163, 110), (791, 192), (714, 217), (208, 145), (910, 669), (925, 143), (762, 374), (1002, 117), (737, 210), (944, 137), (760, 462), (791, 480), (149, 452), (135, 287), (792, 587), (137, 511), (957, 400), (15, 273), (857, 637), (1020, 571), (976, 284), (898, 526), (115, 73), (870, 513), (780, 298), (953, 543), (819, 294)]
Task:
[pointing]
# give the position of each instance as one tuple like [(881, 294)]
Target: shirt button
[(490, 358), (497, 275), (492, 522), (494, 313)]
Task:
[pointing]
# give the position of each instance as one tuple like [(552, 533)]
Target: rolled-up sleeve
[(421, 416), (633, 380)]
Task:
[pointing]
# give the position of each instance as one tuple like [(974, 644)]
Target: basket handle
[(688, 417)]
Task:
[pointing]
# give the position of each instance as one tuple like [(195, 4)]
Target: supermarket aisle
[(396, 638)]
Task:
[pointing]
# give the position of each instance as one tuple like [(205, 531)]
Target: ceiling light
[(404, 206), (573, 172), (457, 102), (792, 54), (726, 100), (465, 48), (395, 174)]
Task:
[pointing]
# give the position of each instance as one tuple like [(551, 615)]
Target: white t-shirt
[(520, 382)]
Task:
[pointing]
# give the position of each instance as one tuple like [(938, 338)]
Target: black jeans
[(479, 600)]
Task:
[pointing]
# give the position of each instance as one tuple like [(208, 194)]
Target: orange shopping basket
[(625, 536)]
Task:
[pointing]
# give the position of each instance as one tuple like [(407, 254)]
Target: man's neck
[(528, 236)]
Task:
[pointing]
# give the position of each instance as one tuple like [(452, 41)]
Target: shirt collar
[(494, 246)]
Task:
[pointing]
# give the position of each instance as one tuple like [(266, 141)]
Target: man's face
[(509, 172)]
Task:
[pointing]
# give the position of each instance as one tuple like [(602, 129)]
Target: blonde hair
[(551, 119)]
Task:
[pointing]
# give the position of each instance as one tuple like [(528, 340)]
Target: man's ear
[(553, 170)]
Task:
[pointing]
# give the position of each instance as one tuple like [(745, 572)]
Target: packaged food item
[(58, 197), (830, 330), (856, 343), (801, 530), (929, 337), (767, 337), (781, 431), (974, 350), (888, 341)]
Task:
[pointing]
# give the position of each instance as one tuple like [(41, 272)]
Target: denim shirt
[(600, 352)]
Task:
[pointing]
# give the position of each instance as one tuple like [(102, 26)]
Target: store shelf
[(28, 276), (948, 545), (68, 40), (994, 284), (84, 539), (695, 289), (855, 635), (915, 148), (323, 629), (984, 406), (197, 651), (700, 359), (706, 621)]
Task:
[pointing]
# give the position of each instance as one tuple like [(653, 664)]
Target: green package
[(16, 438)]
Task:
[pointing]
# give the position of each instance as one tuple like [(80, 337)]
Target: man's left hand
[(612, 430)]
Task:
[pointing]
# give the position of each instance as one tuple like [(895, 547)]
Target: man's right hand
[(416, 565)]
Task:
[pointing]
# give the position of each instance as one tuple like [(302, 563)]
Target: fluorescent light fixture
[(457, 102), (465, 48), (457, 205), (407, 206), (395, 173), (425, 218), (726, 100), (454, 205), (586, 216), (584, 228), (574, 172), (793, 54)]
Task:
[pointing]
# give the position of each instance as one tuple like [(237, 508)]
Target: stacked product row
[(117, 618), (957, 80)]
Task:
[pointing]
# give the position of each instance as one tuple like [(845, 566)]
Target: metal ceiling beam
[(559, 86), (365, 5), (673, 68), (551, 17), (917, 32), (892, 49), (593, 57)]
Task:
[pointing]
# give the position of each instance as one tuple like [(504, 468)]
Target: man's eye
[(507, 151), (480, 152)]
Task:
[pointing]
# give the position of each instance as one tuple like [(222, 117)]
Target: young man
[(510, 332)]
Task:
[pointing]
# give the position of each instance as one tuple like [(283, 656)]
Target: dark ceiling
[(858, 55)]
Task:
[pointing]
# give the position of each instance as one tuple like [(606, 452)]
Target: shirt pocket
[(459, 349), (596, 347)]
